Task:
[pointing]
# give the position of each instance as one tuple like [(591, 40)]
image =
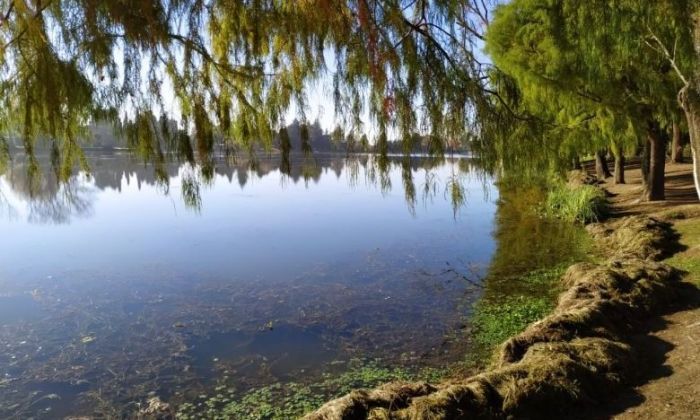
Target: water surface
[(119, 286)]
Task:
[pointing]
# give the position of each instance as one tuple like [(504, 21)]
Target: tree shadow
[(651, 352)]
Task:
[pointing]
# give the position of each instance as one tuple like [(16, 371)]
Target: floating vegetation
[(497, 317), (282, 401), (494, 322)]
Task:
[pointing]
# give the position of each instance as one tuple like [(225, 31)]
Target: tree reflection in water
[(51, 198)]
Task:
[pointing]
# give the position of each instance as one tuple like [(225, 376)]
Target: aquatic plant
[(282, 401), (494, 322), (498, 317)]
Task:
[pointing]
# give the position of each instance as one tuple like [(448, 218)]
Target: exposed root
[(576, 355)]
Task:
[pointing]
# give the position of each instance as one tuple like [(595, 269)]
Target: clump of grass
[(583, 203)]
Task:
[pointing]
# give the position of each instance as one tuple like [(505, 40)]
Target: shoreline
[(579, 356)]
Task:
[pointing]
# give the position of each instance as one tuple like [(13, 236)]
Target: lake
[(118, 285), (130, 283)]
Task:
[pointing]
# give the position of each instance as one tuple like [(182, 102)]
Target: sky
[(319, 95)]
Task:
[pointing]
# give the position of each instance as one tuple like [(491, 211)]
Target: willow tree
[(585, 66), (235, 68)]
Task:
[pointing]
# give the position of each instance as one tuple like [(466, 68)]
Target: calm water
[(116, 287)]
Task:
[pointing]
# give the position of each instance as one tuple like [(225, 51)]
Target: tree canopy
[(592, 72), (235, 68), (568, 78)]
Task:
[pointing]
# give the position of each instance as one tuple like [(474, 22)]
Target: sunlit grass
[(688, 260), (584, 203)]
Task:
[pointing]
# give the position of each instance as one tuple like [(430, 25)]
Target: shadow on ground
[(652, 352)]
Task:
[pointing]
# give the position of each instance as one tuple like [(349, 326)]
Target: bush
[(583, 203)]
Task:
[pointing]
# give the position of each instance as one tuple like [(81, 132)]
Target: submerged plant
[(292, 400)]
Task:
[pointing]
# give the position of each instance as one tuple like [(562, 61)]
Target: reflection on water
[(137, 287), (58, 202), (528, 242)]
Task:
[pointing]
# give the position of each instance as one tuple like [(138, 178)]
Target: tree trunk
[(689, 97), (601, 166), (657, 164), (619, 165), (690, 101), (577, 163), (644, 164), (677, 144)]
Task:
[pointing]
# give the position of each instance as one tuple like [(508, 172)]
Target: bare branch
[(661, 48)]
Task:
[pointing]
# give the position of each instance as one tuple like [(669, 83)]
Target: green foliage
[(494, 322), (584, 203), (570, 78), (291, 400), (236, 68), (588, 75)]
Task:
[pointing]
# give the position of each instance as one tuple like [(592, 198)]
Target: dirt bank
[(668, 387), (579, 355)]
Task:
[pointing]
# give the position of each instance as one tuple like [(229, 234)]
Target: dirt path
[(675, 392), (670, 388)]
